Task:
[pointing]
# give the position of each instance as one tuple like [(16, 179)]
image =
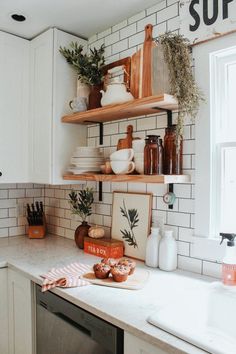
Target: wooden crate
[(105, 248)]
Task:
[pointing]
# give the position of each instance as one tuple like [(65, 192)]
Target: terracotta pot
[(80, 233), (95, 97)]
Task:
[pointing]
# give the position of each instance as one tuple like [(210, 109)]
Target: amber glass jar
[(151, 155), (160, 157), (173, 158)]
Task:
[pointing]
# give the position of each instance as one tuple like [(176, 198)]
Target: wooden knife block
[(37, 231)]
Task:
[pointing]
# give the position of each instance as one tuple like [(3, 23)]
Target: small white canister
[(168, 252)]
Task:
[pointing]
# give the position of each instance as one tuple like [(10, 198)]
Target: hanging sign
[(204, 19)]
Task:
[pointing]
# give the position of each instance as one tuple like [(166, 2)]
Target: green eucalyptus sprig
[(88, 66), (81, 202)]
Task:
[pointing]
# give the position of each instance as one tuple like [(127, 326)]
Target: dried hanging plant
[(182, 83)]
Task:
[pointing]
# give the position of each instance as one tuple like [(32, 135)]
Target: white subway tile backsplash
[(119, 26), (137, 17), (173, 24), (104, 33), (212, 269), (167, 13), (145, 21), (159, 29), (182, 190), (3, 193), (4, 232), (110, 129), (121, 40), (8, 222), (185, 234), (136, 39), (190, 264), (161, 5), (183, 248), (146, 123), (112, 38), (178, 219), (120, 46), (3, 214), (17, 231), (7, 203), (16, 193), (128, 31), (186, 205)]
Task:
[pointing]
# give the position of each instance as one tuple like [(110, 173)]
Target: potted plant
[(183, 87), (81, 204), (88, 67)]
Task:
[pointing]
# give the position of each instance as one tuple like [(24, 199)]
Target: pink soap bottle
[(229, 261)]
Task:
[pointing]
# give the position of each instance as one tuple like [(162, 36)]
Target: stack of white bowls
[(138, 147), (121, 161), (86, 159)]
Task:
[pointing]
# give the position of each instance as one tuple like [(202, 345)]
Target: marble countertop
[(127, 309)]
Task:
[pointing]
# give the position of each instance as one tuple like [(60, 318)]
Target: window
[(215, 69)]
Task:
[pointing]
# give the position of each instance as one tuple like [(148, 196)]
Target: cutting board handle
[(148, 32)]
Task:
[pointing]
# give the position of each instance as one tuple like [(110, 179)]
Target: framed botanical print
[(131, 221)]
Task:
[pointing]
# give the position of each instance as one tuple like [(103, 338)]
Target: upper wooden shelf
[(137, 107), (129, 178)]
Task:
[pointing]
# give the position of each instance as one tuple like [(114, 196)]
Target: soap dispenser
[(229, 261)]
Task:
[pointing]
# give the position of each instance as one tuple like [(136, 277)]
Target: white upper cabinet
[(52, 86), (14, 105)]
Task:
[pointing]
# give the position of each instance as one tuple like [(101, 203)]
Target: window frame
[(205, 243)]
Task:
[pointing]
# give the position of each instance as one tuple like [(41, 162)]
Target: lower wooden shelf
[(164, 179)]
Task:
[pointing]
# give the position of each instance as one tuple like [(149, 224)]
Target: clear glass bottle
[(173, 158), (151, 155), (152, 248)]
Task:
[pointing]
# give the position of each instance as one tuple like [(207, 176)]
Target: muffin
[(120, 273), (101, 270), (129, 263), (110, 261)]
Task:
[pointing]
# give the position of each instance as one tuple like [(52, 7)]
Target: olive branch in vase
[(132, 217)]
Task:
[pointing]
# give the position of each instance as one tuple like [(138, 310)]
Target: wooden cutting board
[(135, 281), (126, 143), (148, 45)]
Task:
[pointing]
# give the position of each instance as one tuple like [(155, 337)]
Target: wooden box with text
[(105, 248)]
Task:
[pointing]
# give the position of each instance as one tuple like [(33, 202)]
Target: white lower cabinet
[(3, 312), (21, 314), (134, 345)]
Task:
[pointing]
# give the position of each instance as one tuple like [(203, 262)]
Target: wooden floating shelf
[(164, 179), (135, 108)]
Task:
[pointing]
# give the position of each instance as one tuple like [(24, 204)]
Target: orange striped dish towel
[(66, 277)]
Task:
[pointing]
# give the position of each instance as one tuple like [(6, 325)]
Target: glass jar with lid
[(173, 152)]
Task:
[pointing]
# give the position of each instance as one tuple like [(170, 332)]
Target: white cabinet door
[(134, 345), (21, 314), (53, 85), (3, 312), (14, 108)]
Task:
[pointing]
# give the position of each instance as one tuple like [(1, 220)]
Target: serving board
[(135, 281)]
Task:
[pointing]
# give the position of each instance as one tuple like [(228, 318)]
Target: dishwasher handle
[(73, 323)]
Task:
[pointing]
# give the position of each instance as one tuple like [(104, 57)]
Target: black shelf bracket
[(170, 190), (169, 115), (100, 133)]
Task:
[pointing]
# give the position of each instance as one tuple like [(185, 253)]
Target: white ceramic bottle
[(152, 248), (168, 252)]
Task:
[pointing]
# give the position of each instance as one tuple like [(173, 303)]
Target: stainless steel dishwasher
[(63, 328)]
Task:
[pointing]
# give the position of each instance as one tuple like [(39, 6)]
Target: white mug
[(122, 167), (122, 155), (139, 166), (78, 104)]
